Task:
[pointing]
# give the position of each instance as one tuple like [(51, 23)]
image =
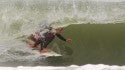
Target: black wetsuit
[(48, 38)]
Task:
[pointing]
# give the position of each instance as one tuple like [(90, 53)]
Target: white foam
[(72, 67)]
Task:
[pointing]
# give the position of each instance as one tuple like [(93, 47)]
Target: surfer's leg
[(44, 45), (41, 46), (36, 43)]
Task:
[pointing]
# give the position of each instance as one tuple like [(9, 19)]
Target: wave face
[(96, 43), (23, 17)]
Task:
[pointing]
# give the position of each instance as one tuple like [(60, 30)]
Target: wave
[(23, 17)]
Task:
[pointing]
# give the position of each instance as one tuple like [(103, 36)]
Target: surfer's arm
[(60, 37)]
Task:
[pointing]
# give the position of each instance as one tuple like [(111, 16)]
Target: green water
[(95, 43)]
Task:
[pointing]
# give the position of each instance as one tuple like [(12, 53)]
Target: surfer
[(44, 38)]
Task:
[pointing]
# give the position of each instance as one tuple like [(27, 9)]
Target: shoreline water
[(71, 67)]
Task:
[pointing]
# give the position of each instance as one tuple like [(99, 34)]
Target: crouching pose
[(45, 37)]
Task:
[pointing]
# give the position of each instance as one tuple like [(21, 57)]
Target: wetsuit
[(49, 36)]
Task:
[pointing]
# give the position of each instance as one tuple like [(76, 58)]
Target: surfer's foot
[(43, 51)]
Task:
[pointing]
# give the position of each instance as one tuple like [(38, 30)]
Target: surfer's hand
[(68, 40)]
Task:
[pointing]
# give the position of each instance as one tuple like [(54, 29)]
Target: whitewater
[(20, 18), (72, 67)]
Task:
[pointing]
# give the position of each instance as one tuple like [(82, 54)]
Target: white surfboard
[(50, 53)]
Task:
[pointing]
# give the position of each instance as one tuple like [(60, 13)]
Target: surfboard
[(49, 53)]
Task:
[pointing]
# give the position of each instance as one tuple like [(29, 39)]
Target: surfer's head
[(59, 30)]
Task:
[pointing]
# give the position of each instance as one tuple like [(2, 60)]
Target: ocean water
[(96, 27)]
